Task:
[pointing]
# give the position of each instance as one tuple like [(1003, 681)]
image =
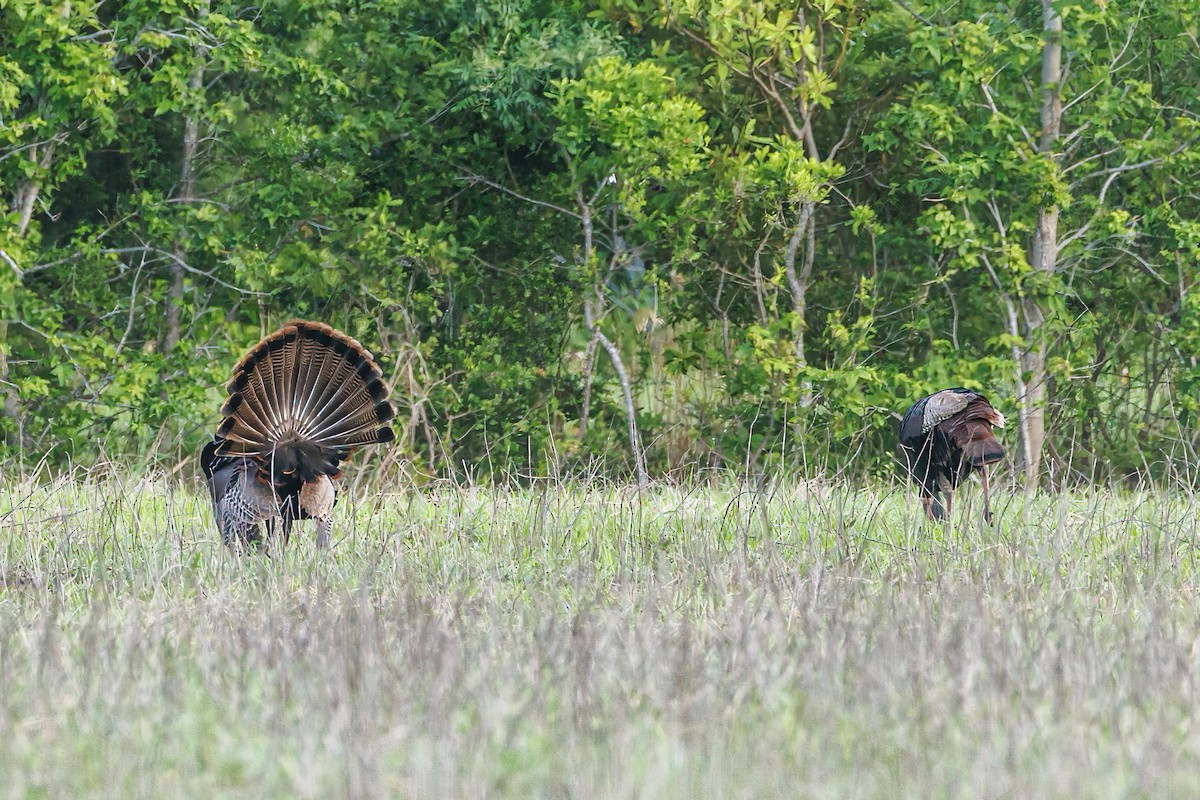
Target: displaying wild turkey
[(943, 438), (299, 402)]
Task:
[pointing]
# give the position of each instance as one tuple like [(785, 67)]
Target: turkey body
[(943, 439), (299, 403)]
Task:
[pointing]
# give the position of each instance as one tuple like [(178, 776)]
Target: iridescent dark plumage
[(299, 402), (945, 437)]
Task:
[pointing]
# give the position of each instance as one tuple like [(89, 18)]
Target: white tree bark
[(805, 229), (24, 200), (1043, 259), (591, 320), (184, 195), (589, 365)]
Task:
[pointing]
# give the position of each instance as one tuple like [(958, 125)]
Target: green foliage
[(419, 175)]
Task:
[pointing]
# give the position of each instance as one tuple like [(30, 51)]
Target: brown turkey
[(299, 402), (943, 438)]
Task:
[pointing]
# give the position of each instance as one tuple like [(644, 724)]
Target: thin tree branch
[(474, 178)]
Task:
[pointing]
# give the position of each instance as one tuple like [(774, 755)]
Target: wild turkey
[(299, 402), (943, 438)]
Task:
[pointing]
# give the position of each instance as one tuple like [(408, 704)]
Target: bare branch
[(917, 16), (991, 103), (1075, 235), (4, 254), (132, 308), (474, 178), (56, 139), (167, 254)]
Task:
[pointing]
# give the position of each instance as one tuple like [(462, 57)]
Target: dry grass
[(556, 642)]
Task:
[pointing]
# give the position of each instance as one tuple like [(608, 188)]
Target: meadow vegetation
[(798, 639)]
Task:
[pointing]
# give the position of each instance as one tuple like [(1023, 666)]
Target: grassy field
[(806, 641)]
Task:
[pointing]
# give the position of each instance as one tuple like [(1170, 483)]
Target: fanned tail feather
[(305, 395), (331, 389)]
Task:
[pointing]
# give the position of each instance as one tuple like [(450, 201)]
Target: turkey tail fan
[(307, 389)]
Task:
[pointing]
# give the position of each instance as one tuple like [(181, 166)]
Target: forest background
[(629, 238)]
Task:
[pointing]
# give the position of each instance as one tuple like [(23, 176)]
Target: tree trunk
[(1043, 259), (12, 401), (27, 193), (614, 353), (589, 365), (185, 194), (798, 283), (24, 200)]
